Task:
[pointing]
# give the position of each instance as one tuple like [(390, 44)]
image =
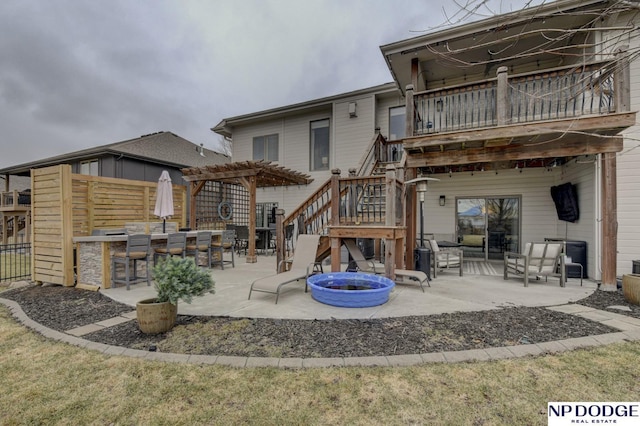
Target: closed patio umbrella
[(164, 199)]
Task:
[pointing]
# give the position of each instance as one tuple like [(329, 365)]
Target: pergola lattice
[(248, 174)]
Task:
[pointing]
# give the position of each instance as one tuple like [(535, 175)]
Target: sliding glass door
[(487, 227)]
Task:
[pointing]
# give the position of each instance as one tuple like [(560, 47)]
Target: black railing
[(15, 261)]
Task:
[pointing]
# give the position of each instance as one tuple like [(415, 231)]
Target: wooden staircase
[(356, 206)]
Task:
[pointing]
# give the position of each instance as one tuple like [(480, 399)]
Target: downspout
[(598, 222)]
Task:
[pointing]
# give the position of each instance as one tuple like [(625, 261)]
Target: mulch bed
[(64, 308)]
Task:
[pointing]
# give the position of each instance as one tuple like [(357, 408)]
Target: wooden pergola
[(249, 174)]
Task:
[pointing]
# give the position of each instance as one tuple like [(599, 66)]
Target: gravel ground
[(64, 308)]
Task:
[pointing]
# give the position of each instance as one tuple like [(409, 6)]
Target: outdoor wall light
[(443, 200), (352, 109)]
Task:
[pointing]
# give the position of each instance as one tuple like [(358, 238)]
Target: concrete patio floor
[(448, 293)]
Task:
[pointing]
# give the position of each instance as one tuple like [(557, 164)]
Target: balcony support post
[(409, 112), (609, 209), (622, 80), (336, 242), (390, 248), (502, 97)]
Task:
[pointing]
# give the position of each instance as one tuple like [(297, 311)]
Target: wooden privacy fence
[(66, 205)]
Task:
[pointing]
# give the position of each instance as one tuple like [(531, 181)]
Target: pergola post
[(251, 254)]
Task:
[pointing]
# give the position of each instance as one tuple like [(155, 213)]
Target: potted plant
[(174, 279), (631, 288)]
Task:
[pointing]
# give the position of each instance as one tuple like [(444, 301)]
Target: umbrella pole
[(164, 225)]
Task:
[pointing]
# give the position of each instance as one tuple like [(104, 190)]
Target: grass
[(14, 265), (45, 382)]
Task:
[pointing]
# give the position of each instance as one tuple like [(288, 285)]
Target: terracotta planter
[(154, 318), (631, 288)]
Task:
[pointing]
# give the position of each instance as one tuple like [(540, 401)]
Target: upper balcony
[(578, 101), (15, 201)]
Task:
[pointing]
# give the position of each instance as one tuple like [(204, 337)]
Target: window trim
[(397, 107), (95, 161), (312, 144), (265, 156)]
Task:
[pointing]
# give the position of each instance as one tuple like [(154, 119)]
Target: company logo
[(593, 413)]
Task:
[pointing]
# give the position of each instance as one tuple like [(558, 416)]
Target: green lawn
[(44, 382)]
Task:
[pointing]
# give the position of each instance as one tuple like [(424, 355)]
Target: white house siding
[(384, 102), (628, 177), (538, 214), (586, 228), (349, 139), (352, 134)]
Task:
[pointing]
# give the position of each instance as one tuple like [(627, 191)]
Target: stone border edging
[(488, 354)]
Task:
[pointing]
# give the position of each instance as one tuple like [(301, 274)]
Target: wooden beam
[(220, 175), (609, 222), (582, 146), (609, 124)]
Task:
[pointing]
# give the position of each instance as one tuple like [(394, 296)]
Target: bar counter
[(93, 256)]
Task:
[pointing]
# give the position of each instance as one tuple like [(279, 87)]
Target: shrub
[(177, 278)]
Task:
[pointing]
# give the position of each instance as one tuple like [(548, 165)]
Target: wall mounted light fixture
[(443, 200), (352, 109)]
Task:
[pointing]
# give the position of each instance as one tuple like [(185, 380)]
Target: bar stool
[(202, 245), (227, 244), (176, 246), (138, 249)]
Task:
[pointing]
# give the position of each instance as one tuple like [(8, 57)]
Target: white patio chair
[(538, 259), (445, 259)]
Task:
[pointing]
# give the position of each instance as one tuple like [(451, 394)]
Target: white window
[(265, 148), (89, 168), (397, 123), (319, 149)]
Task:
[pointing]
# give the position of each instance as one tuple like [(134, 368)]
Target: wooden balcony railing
[(359, 200), (14, 200), (552, 94)]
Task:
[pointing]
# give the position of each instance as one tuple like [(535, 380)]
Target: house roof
[(480, 47), (225, 126), (266, 174), (162, 147)]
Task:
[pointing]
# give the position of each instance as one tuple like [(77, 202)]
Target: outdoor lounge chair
[(301, 266), (538, 259), (445, 258), (403, 276)]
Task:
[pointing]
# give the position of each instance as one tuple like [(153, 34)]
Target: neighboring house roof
[(161, 147), (225, 126)]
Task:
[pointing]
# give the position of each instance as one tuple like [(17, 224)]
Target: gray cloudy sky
[(76, 74)]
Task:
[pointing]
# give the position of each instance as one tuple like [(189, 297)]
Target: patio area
[(448, 293)]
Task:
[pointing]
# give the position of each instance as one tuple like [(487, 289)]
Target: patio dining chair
[(445, 259), (176, 246), (225, 245), (201, 245), (242, 238), (301, 266), (138, 249), (403, 276), (537, 259)]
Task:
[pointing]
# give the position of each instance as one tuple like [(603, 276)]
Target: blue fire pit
[(350, 289)]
